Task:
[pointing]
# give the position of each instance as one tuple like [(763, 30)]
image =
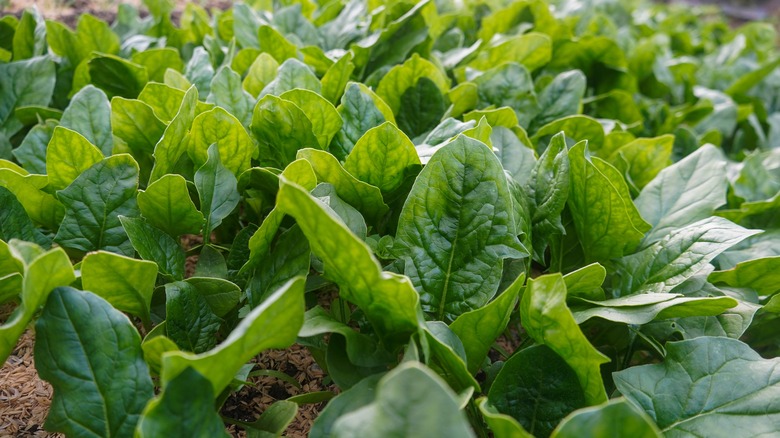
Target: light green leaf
[(69, 155), (537, 388), (274, 324), (678, 256), (391, 414), (532, 50), (91, 35), (220, 294), (762, 275), (618, 417), (336, 78), (299, 172), (405, 76), (219, 127), (89, 114), (43, 271), (479, 328), (292, 74), (642, 308), (586, 282), (445, 354), (383, 157), (356, 397), (30, 37), (273, 421), (135, 122), (227, 92), (548, 189), (185, 408), (167, 205), (89, 351), (576, 128), (157, 61), (31, 154), (361, 110), (325, 120), (548, 321), (173, 143), (281, 128), (124, 282), (156, 246), (217, 190), (273, 42), (93, 203), (642, 159), (509, 85), (711, 386), (363, 350), (42, 207), (683, 193), (261, 73), (389, 300), (364, 197), (608, 224), (456, 228)]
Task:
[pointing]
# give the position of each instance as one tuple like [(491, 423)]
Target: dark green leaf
[(89, 351)]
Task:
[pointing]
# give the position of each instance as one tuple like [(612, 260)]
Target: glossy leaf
[(93, 204), (217, 190), (678, 256), (126, 283), (43, 272), (683, 193), (456, 228), (701, 396), (549, 321), (615, 418), (88, 351), (391, 414), (388, 300), (608, 224), (154, 245), (166, 204)]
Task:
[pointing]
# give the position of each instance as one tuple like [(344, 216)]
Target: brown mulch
[(24, 398)]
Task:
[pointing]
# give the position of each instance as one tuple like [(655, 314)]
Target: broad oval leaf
[(707, 386), (167, 205), (608, 224), (388, 300), (89, 351), (456, 227), (382, 157), (124, 282), (537, 388), (94, 202)]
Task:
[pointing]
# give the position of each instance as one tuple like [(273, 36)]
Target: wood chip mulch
[(24, 397)]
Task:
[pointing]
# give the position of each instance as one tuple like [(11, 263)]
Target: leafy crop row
[(595, 183)]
